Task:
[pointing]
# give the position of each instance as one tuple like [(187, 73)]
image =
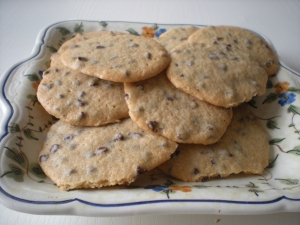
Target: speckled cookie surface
[(115, 57), (242, 39), (93, 157), (176, 36), (79, 99), (158, 107), (243, 148), (221, 76)]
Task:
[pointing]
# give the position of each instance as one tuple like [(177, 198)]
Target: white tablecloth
[(21, 20)]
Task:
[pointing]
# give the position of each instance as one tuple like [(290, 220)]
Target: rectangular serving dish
[(25, 188)]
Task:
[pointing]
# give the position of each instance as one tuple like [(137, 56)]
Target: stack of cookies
[(128, 104)]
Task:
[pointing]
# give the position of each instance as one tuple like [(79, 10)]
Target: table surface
[(20, 22)]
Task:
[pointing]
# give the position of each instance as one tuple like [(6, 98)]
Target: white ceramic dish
[(23, 186)]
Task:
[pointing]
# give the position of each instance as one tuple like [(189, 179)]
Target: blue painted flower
[(157, 187), (159, 32), (286, 98)]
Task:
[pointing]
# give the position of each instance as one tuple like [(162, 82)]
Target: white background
[(21, 20)]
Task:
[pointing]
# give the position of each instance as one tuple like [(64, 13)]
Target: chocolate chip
[(91, 169), (210, 127), (176, 64), (136, 135), (220, 39), (222, 67), (65, 73), (169, 98), (228, 47), (235, 41), (176, 153), (43, 158), (196, 171), (148, 55), (140, 170), (68, 138), (247, 41), (269, 63), (212, 160), (99, 47), (182, 135), (152, 125), (80, 115), (76, 83), (81, 94), (133, 45), (46, 72), (74, 46), (101, 150), (55, 70), (118, 137), (60, 96), (181, 75), (203, 179), (57, 82), (182, 39), (47, 86), (89, 154), (80, 103), (213, 57), (80, 58), (54, 148), (70, 172), (233, 58)]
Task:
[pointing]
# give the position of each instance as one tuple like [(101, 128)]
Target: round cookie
[(242, 39), (158, 107), (79, 99), (114, 57), (221, 76), (243, 148), (176, 36), (93, 157)]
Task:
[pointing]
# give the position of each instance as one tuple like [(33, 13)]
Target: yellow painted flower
[(181, 188), (148, 32), (282, 87)]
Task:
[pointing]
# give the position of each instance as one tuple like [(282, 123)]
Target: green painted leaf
[(288, 181), (252, 103), (14, 128), (251, 185), (292, 125), (132, 31), (32, 97), (269, 84), (270, 98), (16, 156), (52, 49), (64, 31), (295, 150), (103, 24), (200, 186), (276, 140), (294, 109), (272, 164), (272, 124), (47, 64), (15, 172), (28, 133), (78, 28), (32, 77), (37, 170), (293, 89), (155, 27)]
